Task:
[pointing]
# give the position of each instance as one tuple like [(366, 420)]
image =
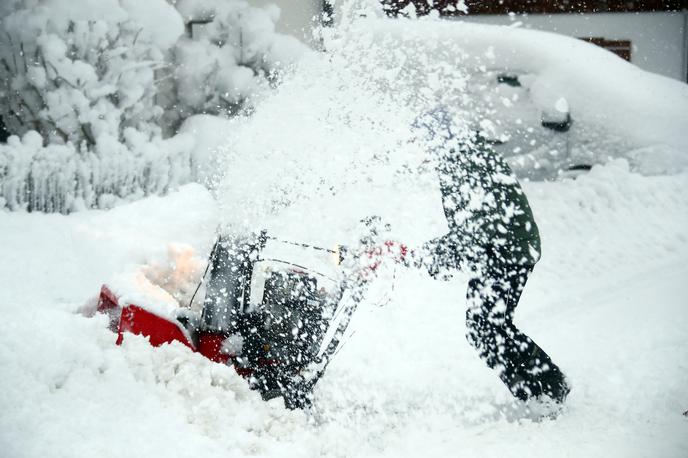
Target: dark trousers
[(522, 365)]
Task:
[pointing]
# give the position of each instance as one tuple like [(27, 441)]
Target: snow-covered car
[(553, 103)]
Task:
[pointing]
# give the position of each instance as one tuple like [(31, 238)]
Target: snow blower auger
[(278, 322)]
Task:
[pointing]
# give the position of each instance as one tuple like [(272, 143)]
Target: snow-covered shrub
[(77, 79), (78, 83), (232, 53), (92, 86)]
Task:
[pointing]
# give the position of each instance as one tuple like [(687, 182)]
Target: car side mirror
[(558, 126), (559, 118)]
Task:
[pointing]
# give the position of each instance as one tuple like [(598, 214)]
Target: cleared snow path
[(609, 302)]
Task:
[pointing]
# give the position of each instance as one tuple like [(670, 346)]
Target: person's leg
[(489, 330), (522, 365), (531, 363)]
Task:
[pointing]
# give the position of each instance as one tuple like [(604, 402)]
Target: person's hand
[(435, 259)]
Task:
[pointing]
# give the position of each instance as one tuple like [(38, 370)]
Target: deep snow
[(608, 301)]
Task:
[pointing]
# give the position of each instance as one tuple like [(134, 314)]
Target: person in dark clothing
[(493, 237)]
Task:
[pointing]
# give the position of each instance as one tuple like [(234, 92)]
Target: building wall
[(660, 40), (297, 16), (547, 6)]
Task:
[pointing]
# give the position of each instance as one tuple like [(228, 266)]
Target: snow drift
[(607, 300)]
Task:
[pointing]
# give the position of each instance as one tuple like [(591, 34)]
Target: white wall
[(297, 16), (659, 40)]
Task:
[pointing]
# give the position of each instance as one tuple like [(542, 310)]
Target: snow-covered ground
[(608, 301)]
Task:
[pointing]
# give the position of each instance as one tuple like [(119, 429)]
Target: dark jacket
[(487, 212)]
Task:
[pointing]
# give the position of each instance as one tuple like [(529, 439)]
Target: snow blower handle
[(374, 246), (389, 249)]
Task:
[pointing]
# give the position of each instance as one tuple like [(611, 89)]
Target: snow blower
[(277, 311)]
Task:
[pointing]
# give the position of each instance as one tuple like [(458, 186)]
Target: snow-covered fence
[(60, 178)]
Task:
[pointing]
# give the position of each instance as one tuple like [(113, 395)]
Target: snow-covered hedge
[(92, 86), (60, 178)]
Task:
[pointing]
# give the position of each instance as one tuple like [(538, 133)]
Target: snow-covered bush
[(90, 87), (232, 52), (77, 83), (77, 79)]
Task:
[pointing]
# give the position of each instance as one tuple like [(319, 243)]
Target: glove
[(438, 256)]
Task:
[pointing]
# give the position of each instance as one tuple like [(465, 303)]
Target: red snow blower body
[(277, 322)]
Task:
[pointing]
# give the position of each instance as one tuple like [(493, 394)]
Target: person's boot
[(554, 385), (521, 385), (539, 372)]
